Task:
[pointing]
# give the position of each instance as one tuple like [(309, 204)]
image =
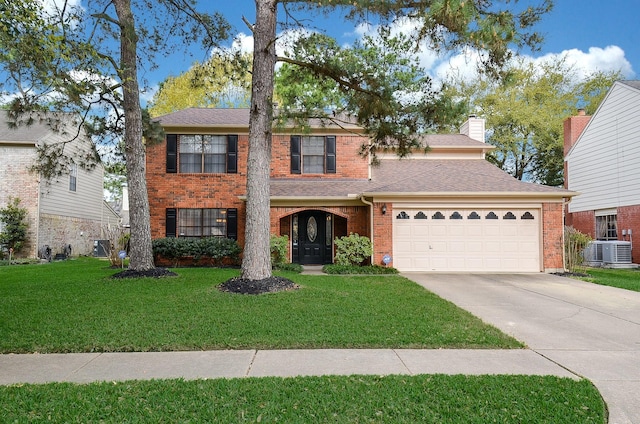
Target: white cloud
[(608, 59)]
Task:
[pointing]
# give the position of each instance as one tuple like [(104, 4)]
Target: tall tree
[(524, 111), (490, 26), (90, 68)]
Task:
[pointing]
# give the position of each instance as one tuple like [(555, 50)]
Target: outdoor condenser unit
[(593, 253), (616, 252)]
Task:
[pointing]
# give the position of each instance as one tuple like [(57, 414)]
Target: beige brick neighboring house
[(602, 163), (67, 211), (445, 211)]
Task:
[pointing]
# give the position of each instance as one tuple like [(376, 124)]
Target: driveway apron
[(592, 330)]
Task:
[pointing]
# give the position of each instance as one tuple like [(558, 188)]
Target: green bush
[(218, 249), (14, 226), (352, 269), (353, 249), (279, 250)]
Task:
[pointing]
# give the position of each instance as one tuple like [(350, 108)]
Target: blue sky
[(592, 34)]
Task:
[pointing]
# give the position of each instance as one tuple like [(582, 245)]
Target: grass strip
[(628, 279), (348, 399)]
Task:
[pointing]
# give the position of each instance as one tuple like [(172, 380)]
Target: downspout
[(366, 202)]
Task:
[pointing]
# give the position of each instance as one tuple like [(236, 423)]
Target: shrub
[(353, 249), (351, 269), (279, 250), (217, 249), (14, 226), (574, 244)]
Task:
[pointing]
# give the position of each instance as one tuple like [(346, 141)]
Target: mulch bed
[(266, 285), (154, 273)]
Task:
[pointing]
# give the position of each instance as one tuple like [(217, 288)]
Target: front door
[(312, 238)]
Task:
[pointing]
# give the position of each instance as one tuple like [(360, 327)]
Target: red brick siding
[(629, 219), (382, 233), (585, 222), (193, 190), (552, 237)]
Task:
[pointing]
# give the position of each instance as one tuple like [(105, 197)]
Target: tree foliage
[(84, 60), (525, 110), (222, 81)]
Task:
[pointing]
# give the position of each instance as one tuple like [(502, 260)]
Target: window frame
[(73, 177), (606, 227), (298, 156), (228, 222), (174, 160)]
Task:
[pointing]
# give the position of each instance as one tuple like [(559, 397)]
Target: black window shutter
[(295, 154), (232, 154), (330, 153), (232, 223), (172, 153), (172, 222)]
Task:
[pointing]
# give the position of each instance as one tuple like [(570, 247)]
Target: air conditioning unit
[(616, 252), (593, 253)]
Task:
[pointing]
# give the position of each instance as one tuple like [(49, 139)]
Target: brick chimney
[(473, 128), (573, 127)]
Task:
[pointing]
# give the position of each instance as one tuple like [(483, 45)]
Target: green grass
[(73, 306), (352, 399), (628, 279)]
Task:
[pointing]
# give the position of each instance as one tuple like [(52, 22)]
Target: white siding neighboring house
[(603, 164), (67, 211)]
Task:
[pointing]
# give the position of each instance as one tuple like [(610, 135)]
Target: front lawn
[(628, 279), (335, 399), (73, 306)]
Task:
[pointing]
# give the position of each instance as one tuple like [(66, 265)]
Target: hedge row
[(218, 250)]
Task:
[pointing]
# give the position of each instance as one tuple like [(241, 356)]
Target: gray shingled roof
[(632, 83), (23, 133), (206, 117), (415, 176)]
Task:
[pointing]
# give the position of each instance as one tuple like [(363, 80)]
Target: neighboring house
[(602, 163), (447, 210), (67, 211)]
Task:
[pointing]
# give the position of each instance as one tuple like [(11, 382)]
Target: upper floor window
[(73, 177), (606, 227), (313, 154), (202, 153)]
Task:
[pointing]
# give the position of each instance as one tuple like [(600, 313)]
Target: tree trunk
[(256, 263), (141, 254)]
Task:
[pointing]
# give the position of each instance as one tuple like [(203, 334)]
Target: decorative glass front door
[(311, 239)]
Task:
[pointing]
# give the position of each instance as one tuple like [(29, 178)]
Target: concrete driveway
[(592, 330)]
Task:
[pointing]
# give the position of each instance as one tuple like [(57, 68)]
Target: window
[(202, 153), (196, 223), (607, 227), (313, 155), (73, 177)]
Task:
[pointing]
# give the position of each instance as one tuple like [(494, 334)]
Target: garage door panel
[(473, 243)]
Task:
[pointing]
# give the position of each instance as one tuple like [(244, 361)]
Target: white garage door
[(478, 240)]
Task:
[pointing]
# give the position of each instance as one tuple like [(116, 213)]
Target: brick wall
[(629, 219), (193, 190), (585, 222), (383, 233), (552, 237), (58, 231), (17, 182)]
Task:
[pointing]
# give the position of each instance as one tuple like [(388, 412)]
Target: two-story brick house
[(447, 210)]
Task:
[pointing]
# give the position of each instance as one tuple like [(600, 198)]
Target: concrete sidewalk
[(90, 367)]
